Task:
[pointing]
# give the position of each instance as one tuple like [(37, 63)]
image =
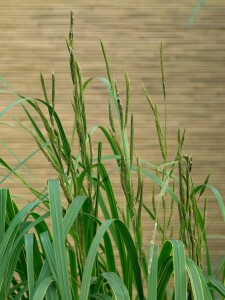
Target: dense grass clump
[(74, 255)]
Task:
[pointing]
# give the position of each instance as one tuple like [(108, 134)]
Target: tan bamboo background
[(32, 40)]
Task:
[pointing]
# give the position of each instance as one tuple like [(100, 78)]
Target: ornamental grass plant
[(68, 249)]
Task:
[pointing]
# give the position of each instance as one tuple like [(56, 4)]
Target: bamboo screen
[(32, 40)]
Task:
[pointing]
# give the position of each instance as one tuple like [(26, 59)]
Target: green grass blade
[(153, 217), (107, 64), (179, 263), (20, 293), (7, 85), (109, 191), (11, 243), (4, 111), (36, 127), (42, 288), (221, 270), (9, 265), (113, 145), (59, 239), (35, 192), (4, 193), (100, 296), (107, 186), (195, 280), (38, 261), (124, 139), (86, 83), (50, 256), (216, 193), (176, 264), (208, 260), (45, 272), (219, 199), (72, 213), (21, 163), (164, 276), (109, 86), (101, 201), (28, 170), (52, 293), (217, 286), (115, 234), (208, 295), (108, 250), (27, 226), (158, 181), (13, 253), (73, 272), (13, 226), (84, 291), (29, 243), (118, 287), (152, 275), (16, 287), (132, 254), (91, 259)]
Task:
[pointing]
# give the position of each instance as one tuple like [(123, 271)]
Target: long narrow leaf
[(11, 262), (13, 225), (29, 243), (158, 181), (21, 292), (4, 111), (152, 276), (119, 289), (195, 280), (100, 296), (217, 286), (93, 251), (179, 262), (50, 256), (219, 199), (216, 193), (59, 239), (42, 288), (72, 213), (22, 163), (3, 199)]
